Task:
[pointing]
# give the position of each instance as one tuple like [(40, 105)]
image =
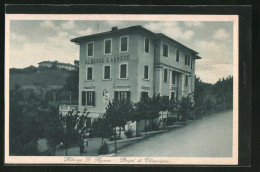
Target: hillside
[(53, 77)]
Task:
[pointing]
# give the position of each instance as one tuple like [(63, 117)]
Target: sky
[(33, 41)]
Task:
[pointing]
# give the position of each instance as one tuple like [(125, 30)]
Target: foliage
[(184, 106), (100, 128), (213, 97), (54, 131), (129, 133), (72, 84), (74, 125), (117, 114), (26, 126)]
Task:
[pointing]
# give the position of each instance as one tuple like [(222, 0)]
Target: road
[(210, 136)]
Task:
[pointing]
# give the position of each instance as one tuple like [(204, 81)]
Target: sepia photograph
[(121, 89)]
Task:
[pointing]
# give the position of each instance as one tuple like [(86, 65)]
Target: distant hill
[(32, 76)]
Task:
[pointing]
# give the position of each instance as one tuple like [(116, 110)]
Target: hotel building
[(130, 63)]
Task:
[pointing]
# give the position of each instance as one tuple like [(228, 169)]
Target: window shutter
[(83, 98), (94, 99)]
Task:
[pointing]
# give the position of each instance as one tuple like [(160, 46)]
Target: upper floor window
[(90, 49), (123, 71), (191, 63), (146, 45), (177, 56), (186, 80), (187, 60), (107, 72), (165, 75), (165, 50), (146, 72), (89, 73), (123, 43), (108, 46)]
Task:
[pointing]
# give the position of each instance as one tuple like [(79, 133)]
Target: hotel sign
[(108, 59)]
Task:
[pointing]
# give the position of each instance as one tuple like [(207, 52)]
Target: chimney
[(114, 28)]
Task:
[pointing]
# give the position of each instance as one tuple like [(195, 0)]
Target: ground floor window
[(88, 98), (122, 96)]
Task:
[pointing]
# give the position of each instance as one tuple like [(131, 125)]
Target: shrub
[(103, 149), (129, 133)]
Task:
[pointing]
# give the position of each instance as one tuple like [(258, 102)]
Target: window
[(165, 50), (107, 71), (123, 44), (165, 75), (146, 75), (172, 95), (90, 98), (89, 73), (177, 56), (186, 80), (191, 63), (173, 77), (123, 71), (83, 98), (90, 49), (122, 96), (108, 46), (187, 60), (144, 96), (146, 45)]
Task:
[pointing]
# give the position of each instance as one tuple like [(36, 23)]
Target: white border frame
[(116, 160)]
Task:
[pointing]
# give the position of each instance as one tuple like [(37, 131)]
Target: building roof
[(134, 28), (67, 64)]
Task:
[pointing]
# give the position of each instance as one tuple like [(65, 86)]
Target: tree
[(25, 117), (147, 109), (153, 108), (72, 84), (117, 114), (184, 106), (54, 131), (101, 128), (169, 106), (74, 125)]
